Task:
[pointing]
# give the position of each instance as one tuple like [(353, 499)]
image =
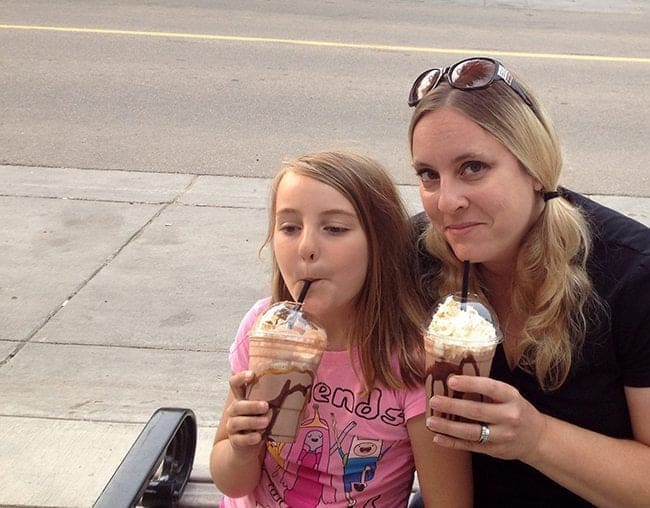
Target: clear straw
[(465, 290)]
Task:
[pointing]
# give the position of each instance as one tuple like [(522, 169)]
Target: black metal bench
[(156, 470)]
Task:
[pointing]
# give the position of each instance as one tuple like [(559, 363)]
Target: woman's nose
[(451, 196), (308, 247)]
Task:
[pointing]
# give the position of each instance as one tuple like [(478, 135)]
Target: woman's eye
[(427, 175), (472, 168)]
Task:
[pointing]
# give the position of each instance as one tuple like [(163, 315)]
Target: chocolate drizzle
[(287, 392), (275, 405), (440, 372)]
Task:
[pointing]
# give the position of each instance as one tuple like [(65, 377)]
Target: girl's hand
[(515, 426), (247, 419)]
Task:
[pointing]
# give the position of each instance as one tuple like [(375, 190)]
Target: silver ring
[(485, 434)]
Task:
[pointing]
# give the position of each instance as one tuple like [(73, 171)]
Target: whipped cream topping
[(463, 326), (285, 321)]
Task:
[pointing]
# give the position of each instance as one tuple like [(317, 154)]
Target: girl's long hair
[(389, 313)]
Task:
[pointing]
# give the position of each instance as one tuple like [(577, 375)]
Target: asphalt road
[(232, 88)]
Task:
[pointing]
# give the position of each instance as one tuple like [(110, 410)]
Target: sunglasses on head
[(469, 74)]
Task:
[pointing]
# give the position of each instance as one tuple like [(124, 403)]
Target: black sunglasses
[(469, 74)]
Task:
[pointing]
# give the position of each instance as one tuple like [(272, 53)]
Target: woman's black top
[(616, 353)]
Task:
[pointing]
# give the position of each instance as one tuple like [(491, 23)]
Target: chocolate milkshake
[(285, 351), (461, 339)]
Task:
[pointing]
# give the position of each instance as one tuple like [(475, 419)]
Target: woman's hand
[(515, 426), (610, 472), (246, 419)]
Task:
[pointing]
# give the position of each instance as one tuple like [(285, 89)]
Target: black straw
[(301, 299), (303, 293), (465, 290)]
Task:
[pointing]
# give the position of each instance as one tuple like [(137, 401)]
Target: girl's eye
[(427, 176), (337, 230), (288, 228), (471, 169)]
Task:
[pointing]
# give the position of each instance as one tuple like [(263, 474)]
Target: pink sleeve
[(239, 349), (415, 402), (414, 399)]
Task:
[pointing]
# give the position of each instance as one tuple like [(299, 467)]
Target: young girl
[(337, 220)]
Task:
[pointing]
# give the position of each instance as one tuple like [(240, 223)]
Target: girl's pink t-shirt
[(351, 449)]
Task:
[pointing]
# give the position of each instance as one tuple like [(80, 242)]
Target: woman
[(363, 432), (569, 421)]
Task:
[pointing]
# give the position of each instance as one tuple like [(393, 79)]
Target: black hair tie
[(551, 195)]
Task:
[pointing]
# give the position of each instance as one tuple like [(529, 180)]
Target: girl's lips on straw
[(310, 280)]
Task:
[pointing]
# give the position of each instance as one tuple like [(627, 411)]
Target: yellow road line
[(380, 47)]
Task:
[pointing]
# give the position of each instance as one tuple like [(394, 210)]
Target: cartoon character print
[(300, 468), (311, 457), (275, 450), (359, 463)]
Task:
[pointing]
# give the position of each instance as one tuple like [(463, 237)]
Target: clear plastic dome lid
[(288, 319)]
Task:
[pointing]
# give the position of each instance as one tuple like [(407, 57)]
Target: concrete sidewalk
[(120, 292)]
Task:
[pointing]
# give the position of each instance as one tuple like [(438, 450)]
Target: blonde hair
[(551, 289), (389, 313)]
